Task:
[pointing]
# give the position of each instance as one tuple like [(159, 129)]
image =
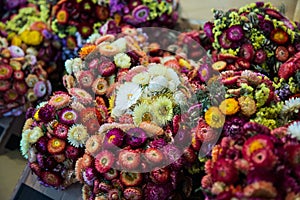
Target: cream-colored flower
[(158, 83), (294, 130), (157, 70), (127, 95), (122, 60), (141, 78), (120, 44)]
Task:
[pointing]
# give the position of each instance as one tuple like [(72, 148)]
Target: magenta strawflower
[(114, 138), (46, 113), (67, 116), (136, 137), (235, 33)]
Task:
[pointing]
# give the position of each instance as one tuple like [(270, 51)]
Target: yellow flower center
[(69, 115), (129, 96), (111, 138), (147, 117), (58, 99), (56, 143), (255, 145), (3, 71), (203, 72), (100, 86)]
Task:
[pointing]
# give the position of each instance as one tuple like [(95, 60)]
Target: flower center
[(58, 99), (69, 115), (111, 138), (56, 143), (147, 117), (103, 161), (3, 71), (204, 73), (255, 146), (100, 86)]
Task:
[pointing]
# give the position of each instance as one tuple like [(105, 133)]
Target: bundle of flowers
[(75, 21), (10, 7), (22, 78), (262, 165), (29, 29), (258, 34), (141, 13), (55, 133), (103, 60), (146, 152)]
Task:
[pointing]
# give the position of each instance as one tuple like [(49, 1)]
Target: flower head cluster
[(54, 137), (252, 168), (258, 33), (22, 78)]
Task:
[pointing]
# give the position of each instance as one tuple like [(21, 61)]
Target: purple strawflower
[(30, 112), (208, 26), (266, 26), (141, 13), (41, 144), (46, 113), (235, 33), (172, 153), (260, 4), (114, 138), (136, 137), (115, 6), (158, 143), (157, 192), (67, 116), (224, 41), (204, 73), (89, 175), (233, 126), (40, 89)]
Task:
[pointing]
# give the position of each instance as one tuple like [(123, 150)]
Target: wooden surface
[(201, 9)]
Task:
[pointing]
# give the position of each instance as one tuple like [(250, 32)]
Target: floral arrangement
[(86, 17), (55, 133), (75, 21), (257, 33), (151, 110), (23, 80), (261, 165), (102, 59)]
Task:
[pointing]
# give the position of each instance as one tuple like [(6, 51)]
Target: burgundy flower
[(46, 113), (158, 143), (114, 138), (224, 171), (235, 33), (208, 26), (233, 126), (266, 26), (224, 41), (157, 192), (30, 112), (41, 144), (136, 137), (140, 13)]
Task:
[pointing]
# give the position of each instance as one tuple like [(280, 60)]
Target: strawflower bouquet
[(103, 59), (29, 29), (146, 151), (261, 36), (149, 147), (23, 81), (262, 164), (55, 133)]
